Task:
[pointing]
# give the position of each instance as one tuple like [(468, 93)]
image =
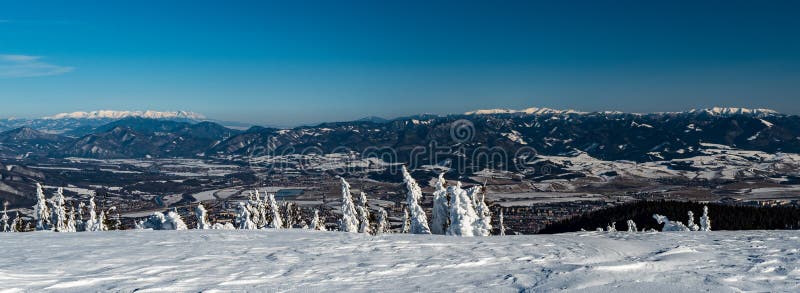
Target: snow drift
[(316, 261)]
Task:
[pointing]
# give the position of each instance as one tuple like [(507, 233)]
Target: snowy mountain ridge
[(112, 114), (723, 111), (714, 111), (528, 111)]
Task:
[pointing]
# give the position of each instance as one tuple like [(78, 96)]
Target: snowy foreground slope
[(310, 261)]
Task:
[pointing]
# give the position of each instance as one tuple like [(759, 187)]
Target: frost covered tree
[(16, 225), (419, 222), (91, 223), (690, 223), (259, 211), (670, 226), (705, 221), (41, 213), (462, 213), (71, 222), (440, 217), (274, 212), (349, 220), (155, 221), (100, 225), (382, 222), (5, 226), (80, 225), (58, 216), (363, 221), (612, 227), (362, 201), (406, 222), (502, 226), (202, 217), (631, 226), (291, 215), (243, 219), (316, 222), (483, 225), (174, 221), (362, 209)]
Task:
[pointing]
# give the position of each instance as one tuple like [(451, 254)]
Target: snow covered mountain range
[(111, 114), (715, 111), (601, 135), (81, 123)]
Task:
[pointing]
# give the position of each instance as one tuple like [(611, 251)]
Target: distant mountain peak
[(714, 111), (111, 114), (735, 111), (374, 119), (529, 111), (25, 133)]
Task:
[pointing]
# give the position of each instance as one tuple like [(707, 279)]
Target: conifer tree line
[(456, 211), (58, 215), (666, 215)]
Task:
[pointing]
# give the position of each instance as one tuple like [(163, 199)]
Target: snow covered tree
[(316, 222), (612, 227), (483, 225), (243, 219), (631, 226), (419, 222), (259, 211), (440, 217), (71, 222), (502, 226), (462, 213), (117, 221), (363, 221), (58, 216), (690, 223), (349, 220), (100, 225), (362, 201), (91, 223), (291, 215), (705, 222), (670, 226), (364, 225), (174, 221), (80, 224), (16, 224), (155, 221), (382, 222), (274, 212), (4, 224), (202, 217), (406, 222), (41, 213)]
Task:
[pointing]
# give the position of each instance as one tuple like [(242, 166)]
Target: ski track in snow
[(314, 261)]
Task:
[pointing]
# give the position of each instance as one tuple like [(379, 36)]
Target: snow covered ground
[(312, 261)]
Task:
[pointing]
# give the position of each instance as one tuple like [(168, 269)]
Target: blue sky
[(285, 64)]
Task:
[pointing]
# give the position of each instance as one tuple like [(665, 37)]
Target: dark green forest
[(723, 217)]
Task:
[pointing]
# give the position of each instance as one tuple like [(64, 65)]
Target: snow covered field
[(314, 261)]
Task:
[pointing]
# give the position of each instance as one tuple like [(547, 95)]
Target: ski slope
[(314, 261)]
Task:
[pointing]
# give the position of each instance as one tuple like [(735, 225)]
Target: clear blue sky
[(284, 64)]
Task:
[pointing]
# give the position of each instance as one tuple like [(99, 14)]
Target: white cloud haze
[(12, 66)]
